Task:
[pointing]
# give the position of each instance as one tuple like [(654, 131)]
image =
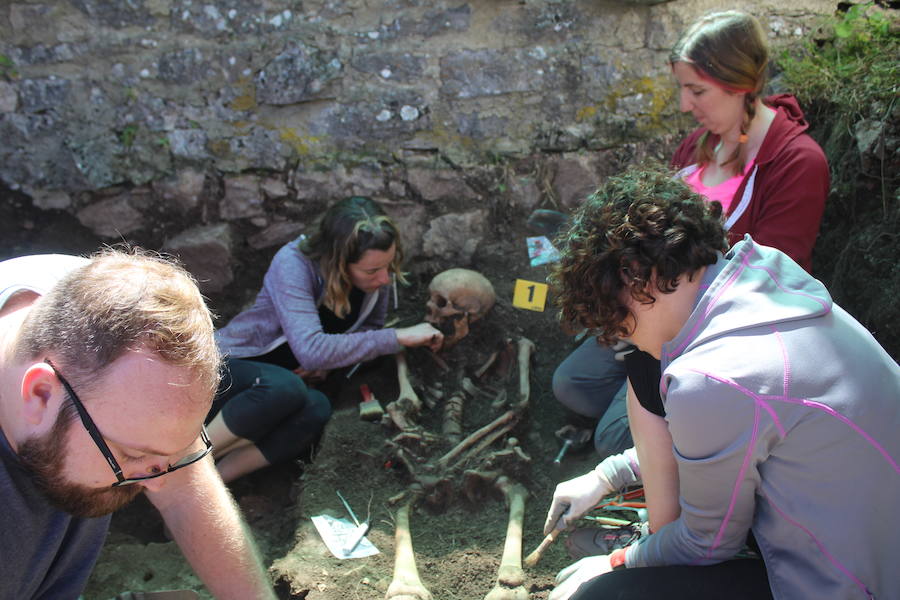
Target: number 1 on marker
[(530, 295)]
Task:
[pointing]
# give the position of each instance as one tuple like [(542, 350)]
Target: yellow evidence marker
[(530, 295)]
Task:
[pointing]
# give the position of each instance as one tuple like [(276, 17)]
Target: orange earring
[(743, 139)]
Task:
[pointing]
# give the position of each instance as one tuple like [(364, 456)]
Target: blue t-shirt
[(44, 552)]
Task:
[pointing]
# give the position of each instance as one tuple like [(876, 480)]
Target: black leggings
[(739, 579), (271, 407)]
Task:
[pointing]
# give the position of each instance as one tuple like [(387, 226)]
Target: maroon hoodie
[(781, 200)]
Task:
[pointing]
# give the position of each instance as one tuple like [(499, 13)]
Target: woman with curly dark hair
[(774, 397)]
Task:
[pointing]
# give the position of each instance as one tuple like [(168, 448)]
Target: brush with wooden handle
[(533, 558)]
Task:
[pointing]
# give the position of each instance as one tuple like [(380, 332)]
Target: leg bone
[(406, 584), (511, 577)]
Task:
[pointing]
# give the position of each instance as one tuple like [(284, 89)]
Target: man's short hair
[(637, 225), (121, 301)]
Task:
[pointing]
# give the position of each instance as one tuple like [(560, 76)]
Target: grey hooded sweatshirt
[(785, 420)]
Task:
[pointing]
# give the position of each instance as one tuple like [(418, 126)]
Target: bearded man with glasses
[(108, 367)]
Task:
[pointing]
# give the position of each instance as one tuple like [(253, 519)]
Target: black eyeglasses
[(108, 455)]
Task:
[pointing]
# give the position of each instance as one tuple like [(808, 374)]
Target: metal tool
[(562, 452), (572, 439), (347, 506)]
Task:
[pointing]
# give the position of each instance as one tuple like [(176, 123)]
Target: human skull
[(459, 297)]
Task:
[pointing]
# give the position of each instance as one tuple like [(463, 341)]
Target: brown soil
[(458, 544)]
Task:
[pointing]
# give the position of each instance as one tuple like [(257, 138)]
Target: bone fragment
[(487, 441), (406, 584), (407, 393), (526, 349), (415, 437), (499, 400), (470, 388), (474, 480), (475, 436), (433, 395), (480, 371), (453, 414), (404, 410), (510, 577), (396, 414)]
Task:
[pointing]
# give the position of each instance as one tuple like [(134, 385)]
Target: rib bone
[(406, 584), (510, 577), (474, 437)]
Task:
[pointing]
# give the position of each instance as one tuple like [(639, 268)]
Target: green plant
[(127, 135), (848, 80), (853, 63), (7, 68)]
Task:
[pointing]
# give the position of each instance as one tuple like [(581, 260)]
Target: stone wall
[(219, 128)]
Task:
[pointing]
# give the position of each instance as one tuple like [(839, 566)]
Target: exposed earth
[(459, 541)]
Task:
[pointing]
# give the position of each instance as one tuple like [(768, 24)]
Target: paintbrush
[(533, 558), (369, 408)]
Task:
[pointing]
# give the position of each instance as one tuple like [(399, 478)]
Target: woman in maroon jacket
[(751, 154)]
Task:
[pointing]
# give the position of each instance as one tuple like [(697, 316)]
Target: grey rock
[(206, 252), (454, 237), (524, 192), (49, 199), (316, 184), (243, 198), (868, 133), (432, 23), (184, 66), (411, 221), (111, 217), (380, 122), (188, 143), (479, 127), (364, 180), (436, 22), (477, 73), (274, 188), (259, 148), (276, 234), (44, 94), (115, 14), (439, 185), (339, 182), (183, 191), (300, 73), (9, 97), (575, 179), (98, 156), (391, 66)]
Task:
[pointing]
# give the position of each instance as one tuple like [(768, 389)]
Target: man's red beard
[(45, 458)]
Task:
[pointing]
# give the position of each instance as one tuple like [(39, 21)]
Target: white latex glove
[(574, 498), (570, 579)]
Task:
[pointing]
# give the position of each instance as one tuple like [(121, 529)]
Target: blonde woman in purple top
[(322, 307)]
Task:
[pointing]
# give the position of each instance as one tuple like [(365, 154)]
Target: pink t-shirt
[(724, 192)]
